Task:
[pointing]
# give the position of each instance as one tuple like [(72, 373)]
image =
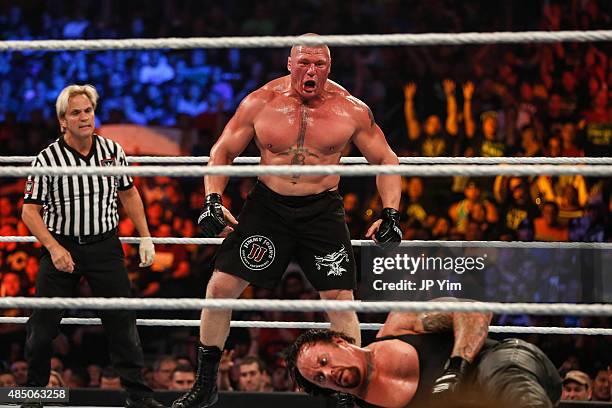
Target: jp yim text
[(424, 285)]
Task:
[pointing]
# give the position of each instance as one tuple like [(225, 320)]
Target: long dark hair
[(310, 337)]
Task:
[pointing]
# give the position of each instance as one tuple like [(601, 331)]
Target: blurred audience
[(182, 378), (109, 379), (7, 379), (55, 380), (163, 368), (576, 386), (515, 100), (253, 375)]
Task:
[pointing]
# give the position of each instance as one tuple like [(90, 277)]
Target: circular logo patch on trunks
[(257, 252)]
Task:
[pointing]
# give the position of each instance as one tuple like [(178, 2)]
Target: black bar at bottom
[(97, 397)]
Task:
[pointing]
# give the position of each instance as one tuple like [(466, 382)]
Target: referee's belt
[(89, 239)]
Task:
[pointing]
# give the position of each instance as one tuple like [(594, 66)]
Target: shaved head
[(299, 47)]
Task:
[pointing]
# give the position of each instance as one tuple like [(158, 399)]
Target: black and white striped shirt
[(78, 205)]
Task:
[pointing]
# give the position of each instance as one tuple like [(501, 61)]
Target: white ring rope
[(309, 170), (96, 303), (358, 160), (359, 40), (311, 325), (369, 242)]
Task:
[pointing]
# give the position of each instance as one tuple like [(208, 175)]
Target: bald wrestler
[(427, 360), (302, 118)]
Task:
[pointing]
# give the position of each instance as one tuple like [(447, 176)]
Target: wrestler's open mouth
[(310, 85), (344, 378)]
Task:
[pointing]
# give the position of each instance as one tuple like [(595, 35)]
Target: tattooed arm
[(470, 329)]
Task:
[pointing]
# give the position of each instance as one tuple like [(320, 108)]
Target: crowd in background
[(520, 100)]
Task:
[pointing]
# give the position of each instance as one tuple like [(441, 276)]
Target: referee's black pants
[(102, 264)]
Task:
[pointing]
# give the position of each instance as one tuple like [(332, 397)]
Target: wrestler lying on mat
[(433, 359)]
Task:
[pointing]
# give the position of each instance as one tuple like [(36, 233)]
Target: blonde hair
[(61, 104)]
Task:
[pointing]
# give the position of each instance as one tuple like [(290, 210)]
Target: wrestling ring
[(409, 166)]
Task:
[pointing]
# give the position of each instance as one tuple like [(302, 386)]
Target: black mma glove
[(455, 370), (212, 220), (389, 230)]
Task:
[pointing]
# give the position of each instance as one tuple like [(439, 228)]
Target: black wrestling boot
[(344, 400), (204, 392)]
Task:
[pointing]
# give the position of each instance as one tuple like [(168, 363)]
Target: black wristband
[(213, 198), (389, 213)]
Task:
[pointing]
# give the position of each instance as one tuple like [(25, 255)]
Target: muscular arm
[(236, 136), (470, 329), (131, 201), (371, 142)]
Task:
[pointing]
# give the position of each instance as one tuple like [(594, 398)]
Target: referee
[(78, 230)]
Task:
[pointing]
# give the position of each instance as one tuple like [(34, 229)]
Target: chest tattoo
[(302, 131), (299, 152)]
